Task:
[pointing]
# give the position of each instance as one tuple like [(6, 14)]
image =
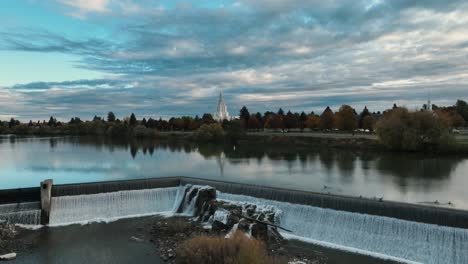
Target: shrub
[(238, 249), (118, 130), (233, 130), (142, 131), (400, 129), (210, 132)]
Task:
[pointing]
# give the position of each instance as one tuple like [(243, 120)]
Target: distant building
[(429, 106), (221, 111)]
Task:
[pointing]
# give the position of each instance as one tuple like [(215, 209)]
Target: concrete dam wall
[(404, 211), (377, 228)]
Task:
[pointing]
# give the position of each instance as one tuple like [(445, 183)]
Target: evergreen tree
[(52, 121), (244, 114), (302, 120), (133, 120), (259, 117), (110, 117), (327, 119), (462, 109), (281, 112), (290, 121), (365, 112)]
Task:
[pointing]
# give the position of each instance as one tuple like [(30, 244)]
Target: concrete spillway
[(113, 205), (380, 229)]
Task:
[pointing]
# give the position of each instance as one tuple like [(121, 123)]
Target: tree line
[(345, 119)]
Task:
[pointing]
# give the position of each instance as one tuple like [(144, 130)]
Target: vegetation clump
[(238, 249), (400, 129), (210, 133)]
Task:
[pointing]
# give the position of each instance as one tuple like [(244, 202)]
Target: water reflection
[(408, 177), (401, 166)]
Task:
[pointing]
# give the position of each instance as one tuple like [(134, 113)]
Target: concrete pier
[(46, 197)]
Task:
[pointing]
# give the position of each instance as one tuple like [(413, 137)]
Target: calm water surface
[(24, 162)]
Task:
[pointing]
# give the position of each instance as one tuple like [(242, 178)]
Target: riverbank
[(320, 140)]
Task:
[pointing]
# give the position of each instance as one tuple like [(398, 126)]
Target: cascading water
[(375, 235), (364, 233), (21, 213), (114, 205)]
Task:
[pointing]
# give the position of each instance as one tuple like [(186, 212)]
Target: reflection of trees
[(345, 161), (405, 169), (133, 150), (52, 142), (426, 171), (210, 150), (367, 158), (417, 166), (327, 158), (303, 160)]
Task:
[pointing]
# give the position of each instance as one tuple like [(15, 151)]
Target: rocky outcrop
[(224, 217), (195, 197)]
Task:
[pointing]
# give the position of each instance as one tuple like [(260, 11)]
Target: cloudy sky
[(166, 57)]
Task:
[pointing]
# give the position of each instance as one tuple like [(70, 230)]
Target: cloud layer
[(172, 58)]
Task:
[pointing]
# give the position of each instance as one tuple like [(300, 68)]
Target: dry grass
[(238, 249)]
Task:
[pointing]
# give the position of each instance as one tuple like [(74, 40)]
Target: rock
[(218, 226), (199, 196), (236, 211), (270, 217), (274, 236), (243, 225), (191, 193), (205, 195), (260, 231), (137, 239), (250, 210), (212, 208), (261, 217), (232, 219), (10, 256)]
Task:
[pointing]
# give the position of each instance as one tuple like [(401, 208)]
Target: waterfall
[(374, 235), (113, 205), (21, 213)]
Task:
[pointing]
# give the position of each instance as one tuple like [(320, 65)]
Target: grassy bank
[(304, 141)]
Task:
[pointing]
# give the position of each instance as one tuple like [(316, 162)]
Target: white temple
[(221, 111)]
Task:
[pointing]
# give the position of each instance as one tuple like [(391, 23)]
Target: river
[(413, 178)]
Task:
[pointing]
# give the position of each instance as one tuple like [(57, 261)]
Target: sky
[(161, 58)]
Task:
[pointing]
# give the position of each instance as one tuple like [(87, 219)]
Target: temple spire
[(221, 111)]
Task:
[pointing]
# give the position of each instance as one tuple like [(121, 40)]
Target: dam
[(402, 232)]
